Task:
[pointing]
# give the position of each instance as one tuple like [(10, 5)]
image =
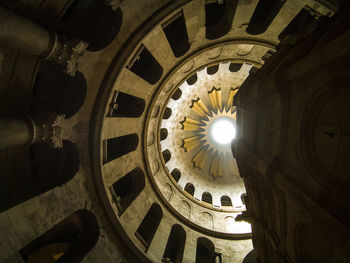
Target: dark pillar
[(41, 129), (20, 33)]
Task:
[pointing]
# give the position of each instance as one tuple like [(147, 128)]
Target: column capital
[(66, 52), (47, 128)]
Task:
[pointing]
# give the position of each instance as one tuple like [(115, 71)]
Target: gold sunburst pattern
[(200, 141)]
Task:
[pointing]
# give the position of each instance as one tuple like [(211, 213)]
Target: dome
[(141, 105)]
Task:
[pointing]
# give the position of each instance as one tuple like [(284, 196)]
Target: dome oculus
[(223, 131)]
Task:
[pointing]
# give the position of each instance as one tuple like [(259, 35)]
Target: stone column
[(25, 36), (46, 128)]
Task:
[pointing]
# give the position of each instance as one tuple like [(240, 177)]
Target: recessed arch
[(208, 220), (185, 209), (168, 191), (149, 225)]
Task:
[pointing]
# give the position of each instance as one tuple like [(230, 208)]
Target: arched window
[(235, 67), (176, 32), (127, 188), (146, 66), (163, 134), (263, 15), (92, 21), (244, 198), (148, 227), (177, 94), (167, 113), (193, 79), (57, 92), (218, 17), (46, 169), (206, 197), (176, 174), (166, 155), (189, 188), (126, 106), (68, 241), (212, 70), (226, 201), (117, 147), (176, 243), (205, 252)]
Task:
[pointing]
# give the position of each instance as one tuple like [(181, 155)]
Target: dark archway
[(218, 17), (115, 148), (176, 244), (48, 167), (177, 94), (163, 134), (192, 80), (92, 21), (206, 197), (212, 69), (176, 32), (146, 66), (166, 156), (235, 67), (148, 227), (57, 92), (263, 15), (68, 241), (124, 105), (167, 113), (176, 174), (225, 201), (189, 188), (127, 188), (205, 252)]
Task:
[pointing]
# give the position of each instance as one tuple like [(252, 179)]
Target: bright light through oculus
[(223, 131)]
